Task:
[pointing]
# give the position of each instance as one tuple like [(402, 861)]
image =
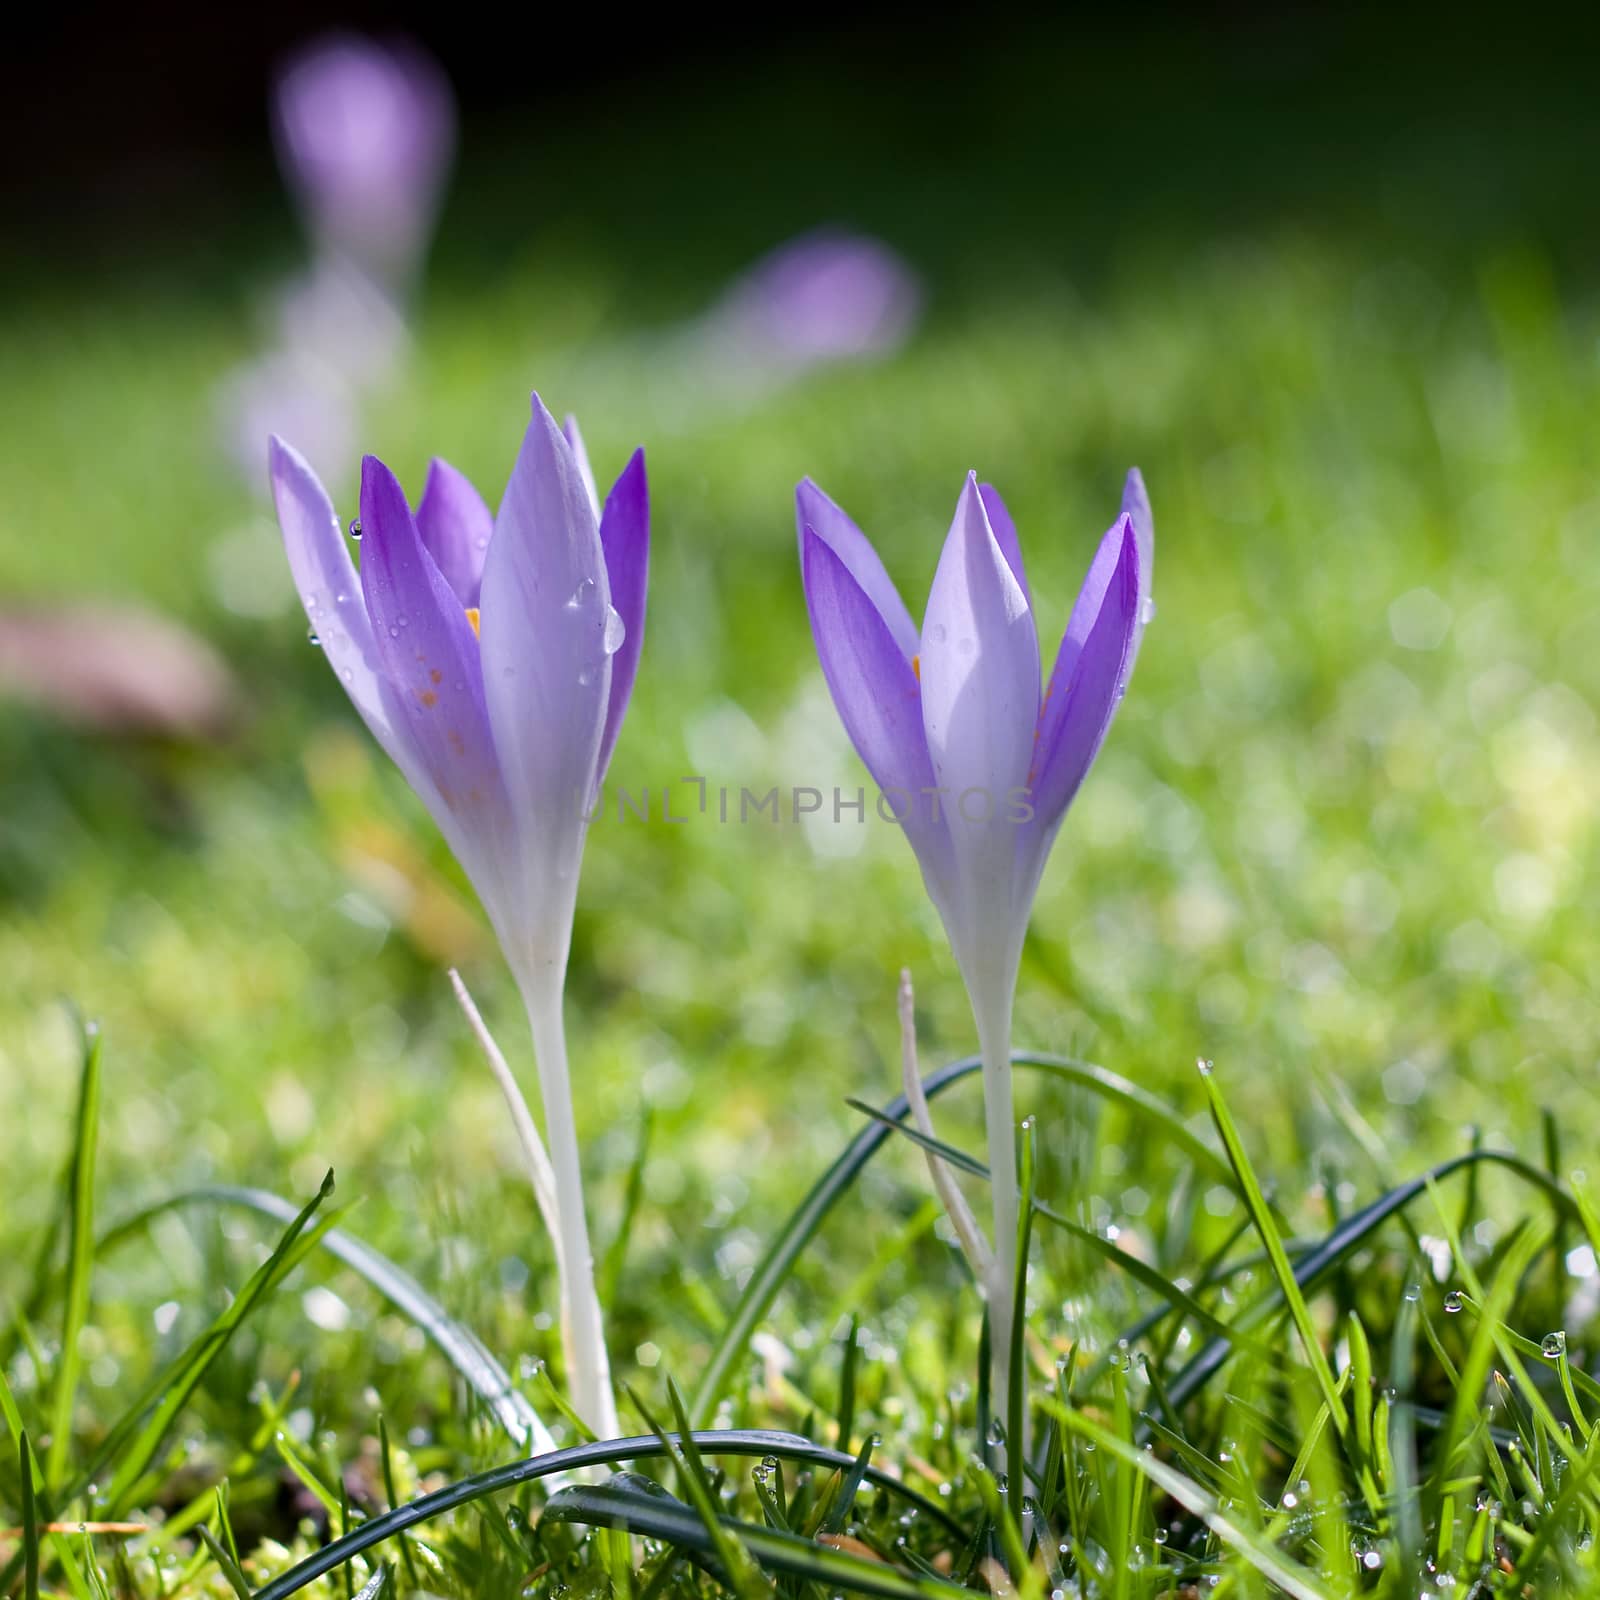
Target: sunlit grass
[(1340, 843)]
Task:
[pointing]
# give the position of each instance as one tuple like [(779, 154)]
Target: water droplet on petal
[(1147, 611), (616, 630), (394, 632), (311, 636), (580, 594), (355, 527), (586, 677)]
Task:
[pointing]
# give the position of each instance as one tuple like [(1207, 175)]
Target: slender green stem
[(582, 1329), (994, 1040)]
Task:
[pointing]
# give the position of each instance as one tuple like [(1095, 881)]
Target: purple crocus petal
[(455, 526), (980, 663), (329, 589), (1136, 507), (433, 685), (1091, 673), (814, 510), (548, 636), (573, 437), (625, 545), (877, 694), (1005, 535)]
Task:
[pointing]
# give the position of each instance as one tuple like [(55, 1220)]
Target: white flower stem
[(582, 1328), (540, 1172), (973, 1244)]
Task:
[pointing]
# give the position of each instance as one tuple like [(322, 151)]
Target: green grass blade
[(457, 1343), (1270, 1562), (1272, 1242), (226, 1565), (1344, 1240), (183, 1376), (610, 1506), (1016, 1397), (803, 1223), (30, 1520), (729, 1442), (80, 1260), (610, 1273)]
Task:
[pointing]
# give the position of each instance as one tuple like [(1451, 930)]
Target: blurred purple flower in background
[(365, 132), (824, 296)]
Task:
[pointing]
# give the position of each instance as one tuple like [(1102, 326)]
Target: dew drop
[(586, 677), (394, 632), (1553, 1346), (312, 637), (1147, 611), (1454, 1301), (615, 632), (355, 527), (580, 594), (997, 1434), (348, 675)]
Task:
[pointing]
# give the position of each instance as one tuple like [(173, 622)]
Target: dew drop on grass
[(1553, 1346), (1454, 1301)]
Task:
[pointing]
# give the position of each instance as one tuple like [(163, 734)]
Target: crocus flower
[(825, 296), (977, 764), (365, 132), (492, 656)]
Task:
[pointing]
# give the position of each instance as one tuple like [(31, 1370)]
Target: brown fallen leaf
[(116, 669)]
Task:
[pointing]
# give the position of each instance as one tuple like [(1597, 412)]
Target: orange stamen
[(472, 617), (916, 667)]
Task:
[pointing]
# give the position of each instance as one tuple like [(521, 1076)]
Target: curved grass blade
[(1264, 1557), (457, 1343), (1272, 1241), (170, 1390), (714, 1442), (808, 1216), (613, 1506), (1140, 1271), (1321, 1259), (80, 1260)]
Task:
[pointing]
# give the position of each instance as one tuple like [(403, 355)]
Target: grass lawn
[(1340, 842)]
